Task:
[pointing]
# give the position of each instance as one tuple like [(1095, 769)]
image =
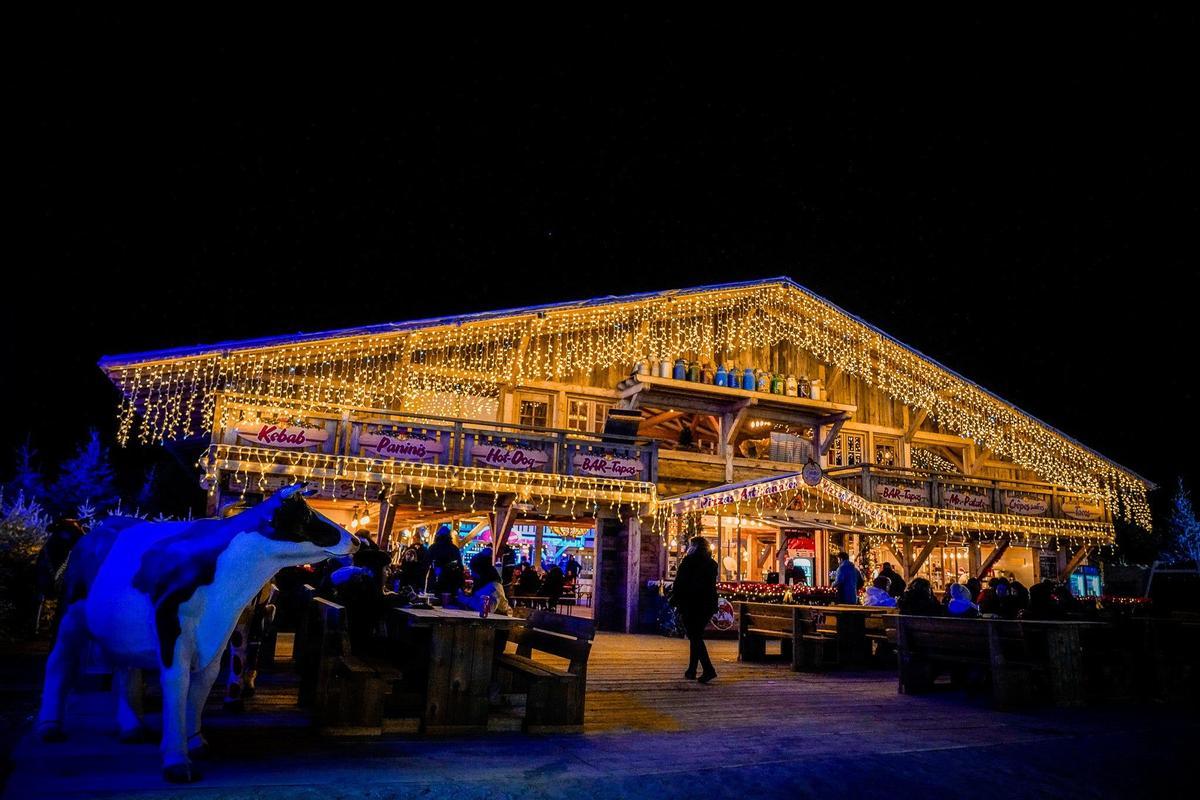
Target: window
[(847, 450), (533, 409), (885, 452), (586, 416)]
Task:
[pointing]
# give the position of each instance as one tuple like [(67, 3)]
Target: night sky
[(1014, 197)]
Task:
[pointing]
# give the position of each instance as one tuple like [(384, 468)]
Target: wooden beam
[(827, 441), (833, 374), (915, 425), (662, 416), (1001, 546), (899, 559), (479, 528), (981, 455), (923, 556), (1077, 559), (953, 459), (502, 522)]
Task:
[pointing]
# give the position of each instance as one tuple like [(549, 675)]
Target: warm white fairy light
[(458, 370)]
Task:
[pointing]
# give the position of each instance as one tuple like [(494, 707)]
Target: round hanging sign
[(812, 473)]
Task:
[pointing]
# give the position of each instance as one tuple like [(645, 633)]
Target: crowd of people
[(1000, 598)]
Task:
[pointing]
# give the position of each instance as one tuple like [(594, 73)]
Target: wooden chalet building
[(642, 420)]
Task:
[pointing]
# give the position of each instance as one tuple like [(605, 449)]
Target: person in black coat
[(896, 584), (695, 597)]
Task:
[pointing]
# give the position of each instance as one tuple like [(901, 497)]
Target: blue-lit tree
[(85, 478), (1185, 528), (28, 481)]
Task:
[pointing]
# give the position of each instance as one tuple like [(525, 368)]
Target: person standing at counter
[(695, 597), (847, 580)]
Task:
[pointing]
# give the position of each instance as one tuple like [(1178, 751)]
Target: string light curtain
[(459, 370)]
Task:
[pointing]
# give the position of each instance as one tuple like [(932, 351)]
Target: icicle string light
[(458, 370)]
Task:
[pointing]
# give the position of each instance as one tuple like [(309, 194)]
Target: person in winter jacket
[(878, 594), (695, 596)]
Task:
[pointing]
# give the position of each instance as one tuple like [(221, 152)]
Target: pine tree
[(85, 478), (1185, 528), (28, 480), (146, 500)]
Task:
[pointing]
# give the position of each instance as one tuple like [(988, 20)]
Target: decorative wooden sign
[(404, 445), (288, 437)]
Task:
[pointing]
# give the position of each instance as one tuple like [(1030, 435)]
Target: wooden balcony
[(957, 492), (366, 436)]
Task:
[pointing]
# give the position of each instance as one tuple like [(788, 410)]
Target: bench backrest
[(943, 634), (558, 635), (767, 617)]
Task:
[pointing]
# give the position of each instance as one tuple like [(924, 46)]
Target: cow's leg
[(61, 667), (198, 692), (131, 729), (176, 686)]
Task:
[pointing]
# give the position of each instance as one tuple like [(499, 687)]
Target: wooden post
[(920, 560), (538, 538), (387, 520), (1001, 546), (1076, 560)]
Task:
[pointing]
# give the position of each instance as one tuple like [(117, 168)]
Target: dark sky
[(1015, 197)]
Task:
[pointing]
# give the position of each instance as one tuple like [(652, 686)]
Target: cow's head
[(304, 533)]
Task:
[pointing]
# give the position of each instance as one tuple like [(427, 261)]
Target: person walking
[(695, 597)]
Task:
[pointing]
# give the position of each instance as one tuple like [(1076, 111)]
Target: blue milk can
[(722, 376), (680, 371)]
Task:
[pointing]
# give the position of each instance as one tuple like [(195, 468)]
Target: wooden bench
[(554, 695), (880, 632), (347, 693), (796, 629), (1012, 652)]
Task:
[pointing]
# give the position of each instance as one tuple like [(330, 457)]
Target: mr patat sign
[(288, 437)]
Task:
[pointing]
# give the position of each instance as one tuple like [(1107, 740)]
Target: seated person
[(878, 594), (487, 587), (552, 585), (1015, 603), (918, 599), (1042, 602), (960, 604), (529, 583), (991, 599)]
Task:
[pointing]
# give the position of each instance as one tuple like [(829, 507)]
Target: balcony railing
[(431, 439), (924, 488)]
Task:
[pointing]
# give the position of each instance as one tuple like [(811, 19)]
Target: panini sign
[(404, 445)]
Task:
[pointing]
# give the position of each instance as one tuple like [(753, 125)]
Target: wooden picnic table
[(459, 651), (848, 624)]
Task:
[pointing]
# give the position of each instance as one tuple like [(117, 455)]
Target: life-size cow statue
[(166, 596)]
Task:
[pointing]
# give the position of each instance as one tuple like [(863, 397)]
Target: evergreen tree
[(28, 480), (147, 501), (1185, 528), (85, 478)]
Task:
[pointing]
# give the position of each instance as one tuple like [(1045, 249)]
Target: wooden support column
[(901, 563), (539, 540), (923, 556), (906, 559), (502, 521), (1001, 546), (387, 520), (731, 423), (974, 555), (1076, 560)]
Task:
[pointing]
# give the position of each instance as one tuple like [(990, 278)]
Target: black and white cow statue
[(166, 596)]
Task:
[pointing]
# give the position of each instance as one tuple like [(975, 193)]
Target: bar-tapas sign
[(606, 465)]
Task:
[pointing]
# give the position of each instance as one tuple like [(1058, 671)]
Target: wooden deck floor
[(756, 729)]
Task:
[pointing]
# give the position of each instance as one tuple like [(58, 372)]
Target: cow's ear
[(308, 493), (295, 490)]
